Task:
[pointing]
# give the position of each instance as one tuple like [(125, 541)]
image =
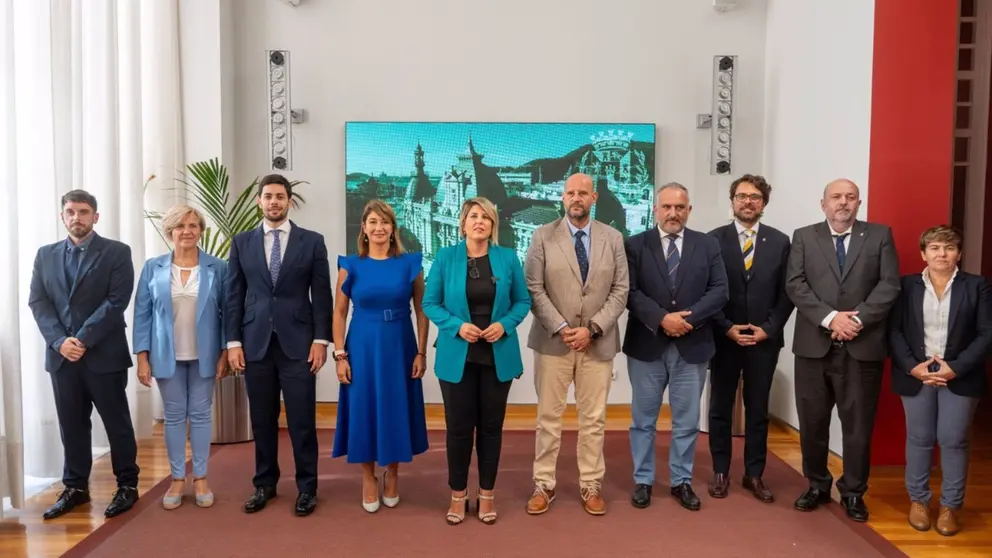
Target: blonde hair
[(177, 215), (383, 210), (488, 208)]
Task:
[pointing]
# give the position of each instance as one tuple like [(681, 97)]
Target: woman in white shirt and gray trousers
[(179, 341), (940, 331)]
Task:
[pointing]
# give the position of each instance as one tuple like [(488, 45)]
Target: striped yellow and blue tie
[(748, 249)]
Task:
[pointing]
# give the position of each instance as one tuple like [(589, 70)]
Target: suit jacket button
[(673, 303)]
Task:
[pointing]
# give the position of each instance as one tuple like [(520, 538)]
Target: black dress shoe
[(68, 499), (758, 488), (855, 508), (720, 486), (305, 504), (641, 498), (258, 500), (686, 496), (811, 499), (123, 500)]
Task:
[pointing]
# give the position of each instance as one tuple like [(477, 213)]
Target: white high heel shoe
[(372, 507), (389, 501)]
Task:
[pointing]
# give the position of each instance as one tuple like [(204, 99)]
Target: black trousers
[(476, 405), (853, 386), (265, 379), (77, 390), (757, 364)]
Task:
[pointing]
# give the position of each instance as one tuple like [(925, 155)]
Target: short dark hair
[(941, 233), (755, 180), (79, 196), (271, 179)]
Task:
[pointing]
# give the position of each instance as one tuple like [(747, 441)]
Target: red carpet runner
[(737, 526)]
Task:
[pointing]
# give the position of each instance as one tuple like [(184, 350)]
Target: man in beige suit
[(576, 272)]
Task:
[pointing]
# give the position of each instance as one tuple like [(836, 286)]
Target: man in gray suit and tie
[(576, 273), (843, 276)]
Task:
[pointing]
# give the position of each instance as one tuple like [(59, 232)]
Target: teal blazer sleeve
[(433, 302), (519, 295)]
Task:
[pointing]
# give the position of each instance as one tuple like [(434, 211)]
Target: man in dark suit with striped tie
[(678, 285), (748, 334)]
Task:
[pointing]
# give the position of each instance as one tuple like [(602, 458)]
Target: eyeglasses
[(745, 197), (473, 271)]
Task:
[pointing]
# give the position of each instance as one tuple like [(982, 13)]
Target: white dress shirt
[(665, 241), (741, 238), (847, 250), (268, 239), (936, 315)]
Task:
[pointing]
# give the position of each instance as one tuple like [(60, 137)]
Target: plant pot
[(230, 412)]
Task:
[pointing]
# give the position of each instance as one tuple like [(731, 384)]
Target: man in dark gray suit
[(843, 276)]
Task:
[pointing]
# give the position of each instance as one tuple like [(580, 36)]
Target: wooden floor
[(25, 534)]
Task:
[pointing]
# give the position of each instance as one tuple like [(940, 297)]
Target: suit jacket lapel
[(502, 283), (58, 254), (257, 247), (826, 242), (858, 234), (457, 276), (206, 283), (957, 294), (597, 246), (293, 249), (916, 299), (89, 257), (732, 245), (684, 258), (163, 283), (658, 252), (565, 242)]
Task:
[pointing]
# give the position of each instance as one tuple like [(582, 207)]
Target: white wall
[(817, 127), (429, 60)]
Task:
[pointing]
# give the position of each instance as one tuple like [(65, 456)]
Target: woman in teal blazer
[(476, 295), (179, 341)]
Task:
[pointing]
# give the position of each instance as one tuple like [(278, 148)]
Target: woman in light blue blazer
[(476, 295), (179, 341)]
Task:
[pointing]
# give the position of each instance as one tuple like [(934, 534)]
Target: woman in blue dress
[(381, 416)]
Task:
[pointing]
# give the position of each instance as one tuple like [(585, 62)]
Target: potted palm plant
[(208, 185)]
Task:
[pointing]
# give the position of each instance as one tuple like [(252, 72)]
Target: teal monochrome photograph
[(426, 170)]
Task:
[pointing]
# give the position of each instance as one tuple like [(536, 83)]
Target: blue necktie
[(672, 259), (581, 255), (72, 265), (275, 260), (841, 252)]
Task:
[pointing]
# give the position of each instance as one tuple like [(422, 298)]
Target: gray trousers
[(936, 415)]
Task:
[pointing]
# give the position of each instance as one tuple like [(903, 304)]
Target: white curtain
[(89, 99)]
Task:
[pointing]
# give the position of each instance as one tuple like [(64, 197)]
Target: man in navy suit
[(748, 334), (80, 288), (678, 284), (278, 316)]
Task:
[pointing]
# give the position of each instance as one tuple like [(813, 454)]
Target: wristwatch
[(339, 355), (596, 332)]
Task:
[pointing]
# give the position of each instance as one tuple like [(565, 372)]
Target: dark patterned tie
[(581, 255), (672, 259), (275, 260), (841, 252), (72, 264)]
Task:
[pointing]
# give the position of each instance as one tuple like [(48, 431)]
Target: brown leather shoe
[(947, 521), (540, 501), (719, 486), (758, 488), (919, 516), (592, 500)]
